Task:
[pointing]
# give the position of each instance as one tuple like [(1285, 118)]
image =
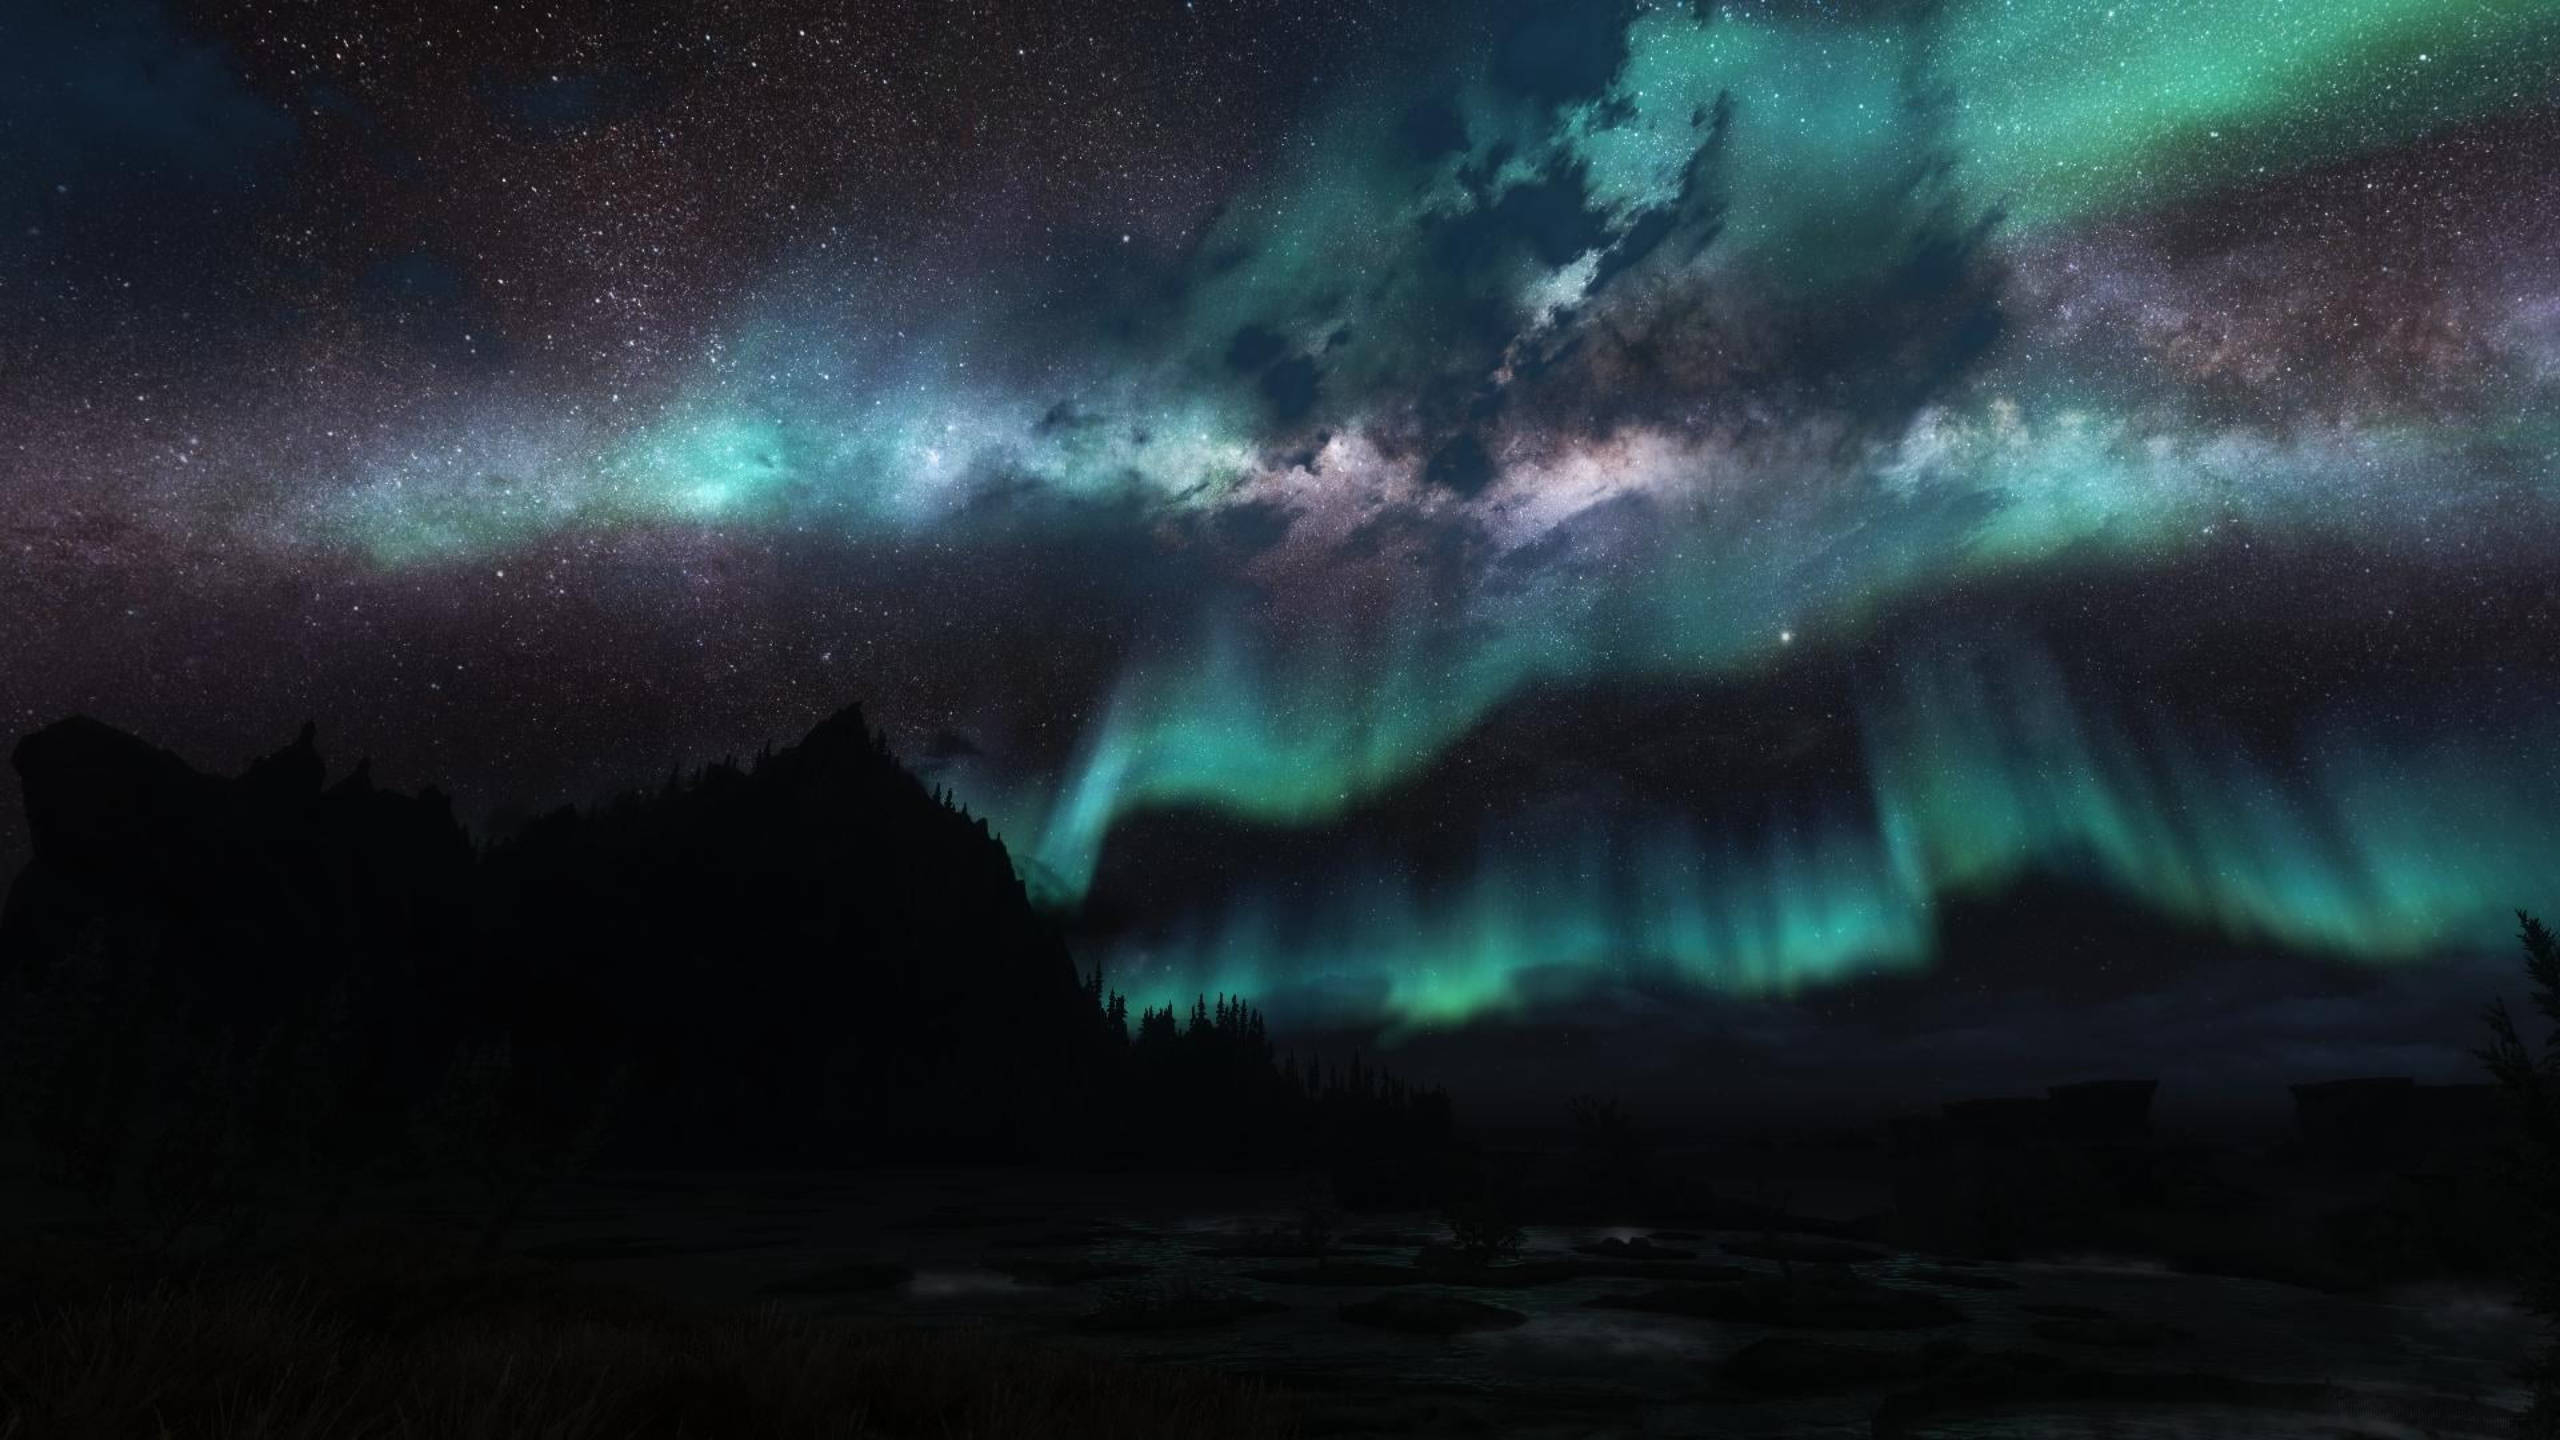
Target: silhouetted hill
[(190, 960), (806, 951), (255, 887), (811, 956), (809, 959)]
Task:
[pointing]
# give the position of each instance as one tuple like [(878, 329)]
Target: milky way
[(1922, 447)]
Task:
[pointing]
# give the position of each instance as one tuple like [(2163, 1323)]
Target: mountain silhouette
[(811, 955), (812, 959)]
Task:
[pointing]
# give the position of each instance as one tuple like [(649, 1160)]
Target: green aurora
[(1983, 767), (1797, 161)]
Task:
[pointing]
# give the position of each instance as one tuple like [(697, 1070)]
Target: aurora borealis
[(1418, 512)]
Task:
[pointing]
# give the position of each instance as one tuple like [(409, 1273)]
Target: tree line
[(211, 986)]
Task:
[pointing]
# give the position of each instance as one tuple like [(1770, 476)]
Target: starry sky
[(1451, 518)]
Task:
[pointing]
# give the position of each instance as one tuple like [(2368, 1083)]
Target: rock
[(1804, 1249), (1958, 1278), (1341, 1272), (1637, 1249), (1665, 1271), (1828, 1304), (1431, 1315)]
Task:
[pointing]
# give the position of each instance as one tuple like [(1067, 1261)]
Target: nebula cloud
[(1417, 518)]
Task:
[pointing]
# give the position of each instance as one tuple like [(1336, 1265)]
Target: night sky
[(1507, 519)]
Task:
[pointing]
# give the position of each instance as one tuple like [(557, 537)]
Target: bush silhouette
[(1483, 1233)]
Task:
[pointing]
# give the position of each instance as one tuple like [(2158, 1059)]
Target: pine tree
[(2530, 1075)]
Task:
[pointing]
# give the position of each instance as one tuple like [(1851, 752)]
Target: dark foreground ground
[(996, 1304)]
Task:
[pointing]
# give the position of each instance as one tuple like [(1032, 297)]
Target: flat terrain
[(1743, 1334)]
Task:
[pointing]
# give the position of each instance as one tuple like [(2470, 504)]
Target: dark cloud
[(107, 98), (1254, 526), (1548, 219), (1290, 386), (134, 163), (1460, 466), (1254, 347), (1431, 129), (1559, 51)]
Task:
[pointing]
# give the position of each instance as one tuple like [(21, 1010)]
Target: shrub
[(1483, 1233)]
